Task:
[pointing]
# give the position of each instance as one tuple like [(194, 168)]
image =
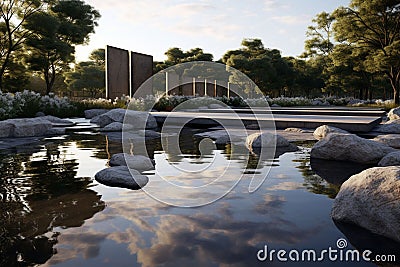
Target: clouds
[(187, 18), (151, 27), (292, 20)]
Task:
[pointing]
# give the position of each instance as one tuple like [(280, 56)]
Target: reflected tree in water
[(37, 195), (313, 182)]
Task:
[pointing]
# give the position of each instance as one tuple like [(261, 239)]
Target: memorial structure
[(126, 72)]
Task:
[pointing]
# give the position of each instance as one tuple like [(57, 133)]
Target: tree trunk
[(396, 97), (50, 77)]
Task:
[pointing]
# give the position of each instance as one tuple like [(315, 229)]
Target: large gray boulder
[(122, 176), (394, 114), (6, 129), (138, 119), (29, 127), (371, 200), (57, 121), (350, 147), (91, 113), (392, 140), (322, 131), (33, 127), (137, 162), (391, 159)]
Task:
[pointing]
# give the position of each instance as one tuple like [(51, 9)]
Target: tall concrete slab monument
[(117, 72), (141, 70)]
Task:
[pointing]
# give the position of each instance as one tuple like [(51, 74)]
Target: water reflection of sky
[(118, 227)]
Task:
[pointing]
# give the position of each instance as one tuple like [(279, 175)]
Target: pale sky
[(153, 26)]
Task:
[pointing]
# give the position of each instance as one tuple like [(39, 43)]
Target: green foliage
[(266, 67), (55, 32), (374, 28), (307, 80), (320, 36), (176, 56), (89, 75), (13, 14)]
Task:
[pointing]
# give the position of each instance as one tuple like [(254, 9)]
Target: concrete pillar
[(194, 86), (166, 84), (205, 87)]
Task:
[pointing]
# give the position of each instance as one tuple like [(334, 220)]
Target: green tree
[(373, 27), (320, 36), (13, 15), (89, 75), (307, 77), (56, 32), (265, 67), (177, 56), (318, 47), (349, 72)]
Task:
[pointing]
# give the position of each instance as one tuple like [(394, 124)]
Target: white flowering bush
[(290, 101), (6, 106), (28, 103), (52, 104)]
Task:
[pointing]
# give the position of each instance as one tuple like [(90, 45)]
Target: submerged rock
[(350, 147), (371, 200), (322, 131), (137, 162), (122, 176), (391, 159), (257, 141)]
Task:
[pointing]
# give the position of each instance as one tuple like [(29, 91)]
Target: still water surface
[(53, 213)]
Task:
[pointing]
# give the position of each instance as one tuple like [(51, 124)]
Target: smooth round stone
[(122, 176)]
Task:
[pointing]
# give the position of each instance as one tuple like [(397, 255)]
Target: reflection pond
[(53, 213)]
